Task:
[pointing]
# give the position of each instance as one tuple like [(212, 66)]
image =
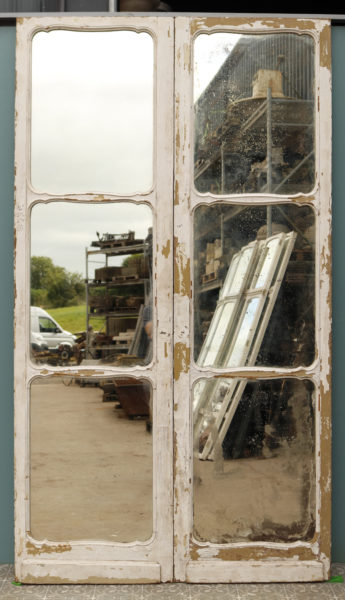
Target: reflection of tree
[(54, 286)]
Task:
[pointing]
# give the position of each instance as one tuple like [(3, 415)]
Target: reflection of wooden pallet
[(119, 278), (119, 243), (124, 338), (209, 277)]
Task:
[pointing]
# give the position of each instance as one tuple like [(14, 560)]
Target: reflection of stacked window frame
[(253, 280)]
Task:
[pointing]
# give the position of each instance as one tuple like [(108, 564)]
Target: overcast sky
[(92, 131), (92, 111), (62, 230), (210, 51)]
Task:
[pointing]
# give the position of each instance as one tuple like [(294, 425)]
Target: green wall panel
[(7, 78), (7, 86), (338, 527)]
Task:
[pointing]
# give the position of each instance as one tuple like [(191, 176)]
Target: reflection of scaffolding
[(274, 122), (246, 302)]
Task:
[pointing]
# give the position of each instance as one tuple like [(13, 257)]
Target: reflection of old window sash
[(261, 280)]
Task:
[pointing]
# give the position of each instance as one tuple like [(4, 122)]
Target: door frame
[(100, 562)]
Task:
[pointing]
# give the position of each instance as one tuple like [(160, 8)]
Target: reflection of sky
[(63, 230), (92, 111), (210, 51)]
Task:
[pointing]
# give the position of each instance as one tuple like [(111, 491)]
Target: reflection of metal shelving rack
[(119, 281)]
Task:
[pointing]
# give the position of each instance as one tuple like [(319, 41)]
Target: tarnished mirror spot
[(257, 434)]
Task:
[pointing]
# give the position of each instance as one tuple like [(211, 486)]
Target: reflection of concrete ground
[(91, 468), (253, 499)]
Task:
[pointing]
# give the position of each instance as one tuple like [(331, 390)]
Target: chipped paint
[(47, 549), (176, 194), (74, 373), (255, 553), (166, 249), (186, 57), (250, 23), (182, 278), (325, 48), (181, 359), (47, 579), (300, 373)]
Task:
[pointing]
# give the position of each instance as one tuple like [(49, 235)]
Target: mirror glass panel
[(254, 435), (92, 112), (254, 285), (91, 283), (91, 459), (254, 113)]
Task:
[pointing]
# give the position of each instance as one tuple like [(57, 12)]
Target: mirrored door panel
[(92, 111), (254, 436), (91, 288), (254, 301), (258, 135), (91, 459)]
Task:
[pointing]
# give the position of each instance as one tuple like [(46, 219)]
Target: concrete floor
[(174, 591), (53, 423)]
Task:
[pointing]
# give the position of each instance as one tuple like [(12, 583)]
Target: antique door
[(170, 170)]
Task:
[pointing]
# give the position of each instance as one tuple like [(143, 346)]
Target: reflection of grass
[(73, 318)]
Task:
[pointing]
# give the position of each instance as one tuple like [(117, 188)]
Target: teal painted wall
[(338, 489), (7, 86)]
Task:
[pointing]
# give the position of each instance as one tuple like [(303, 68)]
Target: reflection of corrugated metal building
[(231, 128)]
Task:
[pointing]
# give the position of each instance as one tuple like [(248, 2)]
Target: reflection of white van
[(44, 327)]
